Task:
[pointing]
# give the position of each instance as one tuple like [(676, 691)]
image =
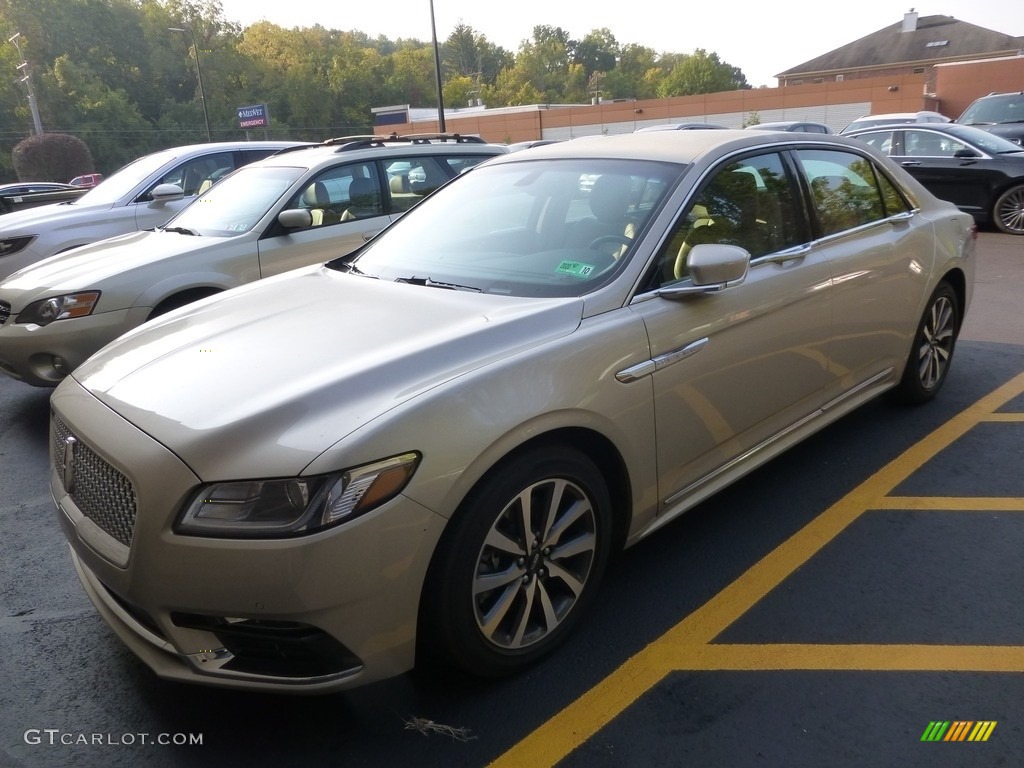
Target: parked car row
[(432, 443), (301, 206)]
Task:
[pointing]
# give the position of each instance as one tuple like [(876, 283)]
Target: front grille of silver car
[(100, 492), (5, 312)]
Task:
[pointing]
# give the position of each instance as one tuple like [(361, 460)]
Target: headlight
[(45, 311), (294, 506)]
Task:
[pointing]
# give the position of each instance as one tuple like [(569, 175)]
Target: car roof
[(693, 125), (358, 147), (679, 147), (781, 124)]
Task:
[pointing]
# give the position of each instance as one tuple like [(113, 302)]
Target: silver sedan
[(435, 443)]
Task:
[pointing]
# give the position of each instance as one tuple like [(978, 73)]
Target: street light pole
[(199, 74), (437, 72), (26, 78)]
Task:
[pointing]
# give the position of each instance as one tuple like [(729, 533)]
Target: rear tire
[(519, 564), (1008, 212), (932, 352)]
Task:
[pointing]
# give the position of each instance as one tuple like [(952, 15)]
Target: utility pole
[(437, 72), (199, 74), (26, 78)]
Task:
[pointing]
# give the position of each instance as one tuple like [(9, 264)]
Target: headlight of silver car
[(295, 506), (45, 311)]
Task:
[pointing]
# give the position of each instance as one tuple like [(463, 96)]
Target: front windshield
[(115, 187), (235, 204), (533, 228), (995, 109)]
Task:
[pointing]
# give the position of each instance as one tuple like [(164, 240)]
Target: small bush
[(51, 157)]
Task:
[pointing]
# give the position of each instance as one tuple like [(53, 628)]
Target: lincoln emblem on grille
[(69, 463)]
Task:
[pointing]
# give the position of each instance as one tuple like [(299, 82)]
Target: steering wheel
[(605, 239)]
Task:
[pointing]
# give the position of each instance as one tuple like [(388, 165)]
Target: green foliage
[(700, 72), (51, 157), (112, 73)]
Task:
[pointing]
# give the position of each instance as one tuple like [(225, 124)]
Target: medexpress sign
[(256, 116)]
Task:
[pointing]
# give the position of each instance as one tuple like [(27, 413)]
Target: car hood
[(31, 220), (261, 380), (88, 266)]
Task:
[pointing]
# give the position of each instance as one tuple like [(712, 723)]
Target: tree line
[(114, 74)]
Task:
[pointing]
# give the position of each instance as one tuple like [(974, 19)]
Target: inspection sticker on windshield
[(575, 268)]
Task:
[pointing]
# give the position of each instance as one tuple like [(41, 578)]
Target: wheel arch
[(958, 282), (596, 447), (181, 287)]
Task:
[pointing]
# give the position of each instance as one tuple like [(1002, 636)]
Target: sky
[(761, 38)]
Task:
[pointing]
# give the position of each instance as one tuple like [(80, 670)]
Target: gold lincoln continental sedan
[(433, 444)]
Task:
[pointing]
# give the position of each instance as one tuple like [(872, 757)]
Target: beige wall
[(960, 84), (836, 104)]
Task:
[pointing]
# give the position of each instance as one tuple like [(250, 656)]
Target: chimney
[(910, 21)]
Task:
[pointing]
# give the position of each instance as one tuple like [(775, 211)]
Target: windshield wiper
[(429, 283), (181, 231), (344, 264)]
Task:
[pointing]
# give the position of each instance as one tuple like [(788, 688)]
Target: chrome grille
[(5, 312), (100, 492)]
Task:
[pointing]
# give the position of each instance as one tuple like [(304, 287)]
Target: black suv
[(998, 113)]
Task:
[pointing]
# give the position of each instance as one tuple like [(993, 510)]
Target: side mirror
[(965, 154), (712, 267), (295, 218), (166, 193)]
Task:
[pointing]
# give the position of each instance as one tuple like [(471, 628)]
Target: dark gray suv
[(998, 113)]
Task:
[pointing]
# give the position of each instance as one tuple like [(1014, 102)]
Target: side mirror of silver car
[(295, 218), (712, 267), (166, 193)]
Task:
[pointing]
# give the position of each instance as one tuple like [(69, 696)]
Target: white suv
[(143, 194), (299, 207)]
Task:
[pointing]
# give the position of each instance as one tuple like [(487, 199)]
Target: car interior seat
[(729, 212), (609, 205), (364, 200), (317, 200)]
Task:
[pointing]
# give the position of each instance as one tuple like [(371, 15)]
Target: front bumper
[(316, 613), (28, 351)]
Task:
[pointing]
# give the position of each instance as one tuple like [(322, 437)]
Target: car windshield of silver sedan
[(534, 228), (235, 204)]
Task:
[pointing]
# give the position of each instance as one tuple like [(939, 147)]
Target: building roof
[(924, 39)]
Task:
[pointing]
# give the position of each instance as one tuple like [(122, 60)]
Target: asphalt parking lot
[(835, 608)]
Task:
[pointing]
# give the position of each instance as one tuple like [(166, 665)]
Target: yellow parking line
[(953, 503), (687, 646), (1005, 417)]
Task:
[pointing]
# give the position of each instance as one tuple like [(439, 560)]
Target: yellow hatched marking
[(683, 646), (982, 730)]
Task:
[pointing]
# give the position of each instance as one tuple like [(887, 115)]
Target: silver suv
[(999, 113)]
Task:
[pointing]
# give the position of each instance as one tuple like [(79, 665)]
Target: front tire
[(1008, 211), (521, 560), (932, 352)]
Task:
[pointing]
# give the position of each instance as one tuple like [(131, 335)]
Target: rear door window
[(844, 189)]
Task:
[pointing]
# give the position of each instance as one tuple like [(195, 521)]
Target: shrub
[(51, 157)]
